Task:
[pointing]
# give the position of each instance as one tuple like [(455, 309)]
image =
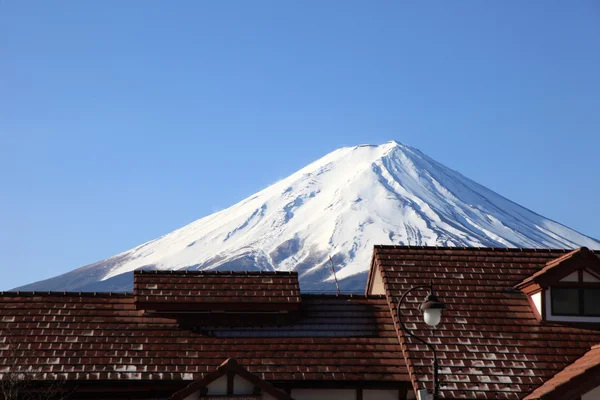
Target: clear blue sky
[(121, 121)]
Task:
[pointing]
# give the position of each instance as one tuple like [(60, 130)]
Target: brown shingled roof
[(230, 290), (85, 336), (489, 343), (575, 380)]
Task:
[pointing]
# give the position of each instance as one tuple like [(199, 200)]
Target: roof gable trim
[(230, 367), (555, 270)]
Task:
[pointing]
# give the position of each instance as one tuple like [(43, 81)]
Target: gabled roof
[(558, 268), (572, 382), (230, 367), (102, 336), (211, 290), (490, 344)]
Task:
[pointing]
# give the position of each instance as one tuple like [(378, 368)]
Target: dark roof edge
[(372, 268), (242, 273), (473, 248), (344, 295), (78, 294), (130, 294)]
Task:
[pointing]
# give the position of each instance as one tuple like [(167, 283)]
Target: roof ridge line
[(342, 295), (63, 293), (188, 272), (473, 248)]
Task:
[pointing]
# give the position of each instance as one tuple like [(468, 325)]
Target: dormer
[(567, 289), (201, 293)]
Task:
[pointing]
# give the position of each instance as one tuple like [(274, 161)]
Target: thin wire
[(334, 277)]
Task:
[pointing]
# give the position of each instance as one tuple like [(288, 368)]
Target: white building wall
[(587, 277), (537, 301), (343, 394), (377, 284), (324, 394), (218, 386), (242, 386), (593, 394), (369, 394), (573, 277)]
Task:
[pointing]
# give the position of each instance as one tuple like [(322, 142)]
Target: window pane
[(565, 301), (591, 301)]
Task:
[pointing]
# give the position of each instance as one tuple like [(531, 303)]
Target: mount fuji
[(340, 206)]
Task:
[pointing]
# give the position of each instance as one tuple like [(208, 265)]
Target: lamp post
[(432, 315)]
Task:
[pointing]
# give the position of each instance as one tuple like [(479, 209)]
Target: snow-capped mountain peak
[(340, 206)]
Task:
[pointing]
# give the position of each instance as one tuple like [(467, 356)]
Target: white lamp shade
[(432, 316)]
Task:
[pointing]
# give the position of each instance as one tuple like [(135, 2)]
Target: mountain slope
[(340, 205)]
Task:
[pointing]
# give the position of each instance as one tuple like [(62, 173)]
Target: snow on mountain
[(340, 205)]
